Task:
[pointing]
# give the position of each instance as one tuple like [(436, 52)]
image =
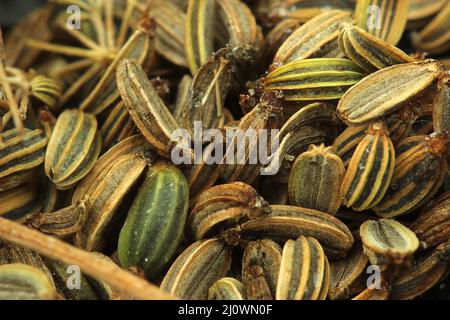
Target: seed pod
[(314, 79), (385, 19), (316, 178), (347, 274), (170, 21), (387, 241), (23, 282), (317, 38), (222, 207), (197, 269), (73, 148), (19, 154), (146, 108), (20, 203), (260, 269), (368, 51), (290, 222), (62, 274), (226, 289), (441, 108), (138, 46), (117, 126), (304, 271), (419, 173), (370, 170), (46, 90), (424, 274), (387, 90), (276, 37), (199, 41), (435, 37), (154, 225), (103, 198), (236, 21), (432, 227)]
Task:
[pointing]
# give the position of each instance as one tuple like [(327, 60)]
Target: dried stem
[(89, 263)]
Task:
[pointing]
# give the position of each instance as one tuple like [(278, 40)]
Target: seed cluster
[(103, 115)]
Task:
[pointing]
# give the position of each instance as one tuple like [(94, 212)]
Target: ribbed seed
[(103, 198), (20, 203), (181, 98), (199, 41), (260, 269), (314, 79), (197, 269), (368, 51), (207, 93), (385, 19), (276, 37), (23, 282), (347, 274), (418, 174), (19, 154), (46, 90), (146, 108), (305, 10), (227, 289), (72, 149), (138, 47), (441, 108), (370, 170), (432, 227), (424, 274), (346, 143), (236, 20), (155, 222), (315, 179), (170, 23), (317, 38), (387, 241), (222, 207), (421, 11), (304, 271), (290, 222), (117, 126), (387, 90), (435, 37)]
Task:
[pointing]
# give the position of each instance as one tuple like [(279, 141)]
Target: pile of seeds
[(119, 177)]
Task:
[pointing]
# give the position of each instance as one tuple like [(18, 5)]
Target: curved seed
[(387, 90), (317, 38), (117, 126), (46, 90), (368, 51), (304, 271), (387, 241), (197, 269), (20, 203), (226, 289), (370, 170), (290, 222), (23, 282)]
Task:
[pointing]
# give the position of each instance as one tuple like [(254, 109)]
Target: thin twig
[(89, 263)]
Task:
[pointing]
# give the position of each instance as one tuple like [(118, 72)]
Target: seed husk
[(387, 90), (226, 289), (197, 269), (387, 241), (315, 179), (260, 269), (304, 271)]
